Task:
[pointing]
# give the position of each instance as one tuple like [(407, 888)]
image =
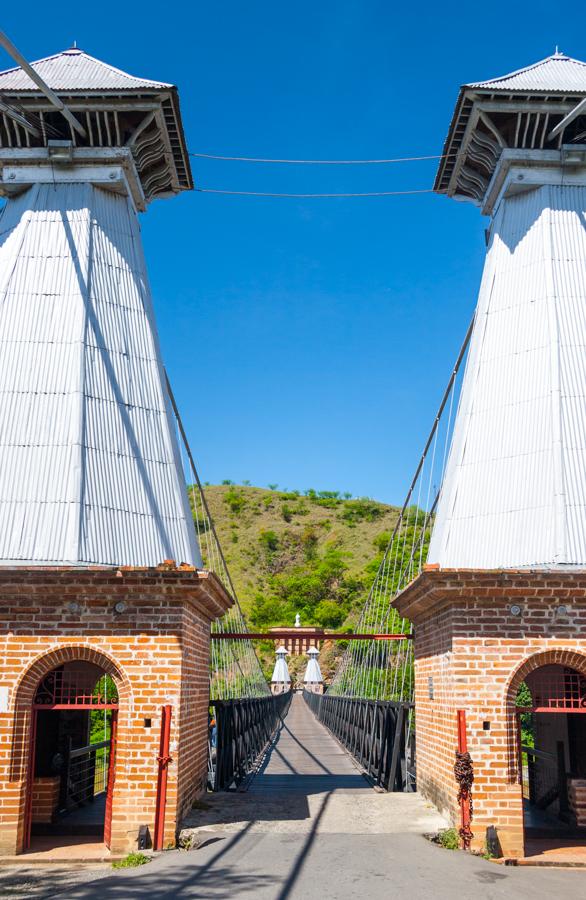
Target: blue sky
[(308, 341)]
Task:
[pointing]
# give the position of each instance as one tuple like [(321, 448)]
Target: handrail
[(539, 754), (89, 748)]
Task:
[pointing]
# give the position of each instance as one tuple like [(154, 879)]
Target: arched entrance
[(551, 738), (72, 754)]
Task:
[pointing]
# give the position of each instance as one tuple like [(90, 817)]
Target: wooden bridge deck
[(305, 759)]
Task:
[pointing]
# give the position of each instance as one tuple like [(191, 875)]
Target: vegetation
[(314, 553), (131, 861), (448, 839), (527, 718)]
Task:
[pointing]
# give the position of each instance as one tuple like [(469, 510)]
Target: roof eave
[(447, 159), (181, 134)]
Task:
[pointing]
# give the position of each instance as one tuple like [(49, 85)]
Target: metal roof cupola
[(514, 493), (90, 467)]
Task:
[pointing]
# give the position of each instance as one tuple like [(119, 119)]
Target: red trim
[(76, 706), (462, 741), (284, 633), (163, 759), (111, 779), (568, 710), (28, 808), (465, 831)]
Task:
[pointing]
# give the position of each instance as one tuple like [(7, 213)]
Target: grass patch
[(449, 839), (131, 861)]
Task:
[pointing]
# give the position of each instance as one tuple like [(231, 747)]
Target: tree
[(329, 614)]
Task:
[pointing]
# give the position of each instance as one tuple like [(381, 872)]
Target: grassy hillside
[(314, 553)]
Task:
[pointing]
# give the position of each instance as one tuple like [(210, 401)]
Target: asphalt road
[(325, 866), (309, 828)]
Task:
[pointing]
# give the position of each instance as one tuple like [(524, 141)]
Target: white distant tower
[(313, 679), (90, 470), (281, 680), (514, 494)]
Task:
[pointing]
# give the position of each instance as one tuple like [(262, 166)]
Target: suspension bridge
[(117, 612), (368, 708)]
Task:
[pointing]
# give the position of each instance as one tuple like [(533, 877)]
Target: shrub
[(269, 540), (381, 541), (236, 500), (286, 512), (449, 839), (329, 614), (361, 509), (131, 861), (309, 543)]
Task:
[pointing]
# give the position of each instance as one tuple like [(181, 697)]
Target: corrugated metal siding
[(74, 70), (89, 464), (556, 73), (505, 503)]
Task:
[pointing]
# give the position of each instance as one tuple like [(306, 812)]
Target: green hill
[(314, 553)]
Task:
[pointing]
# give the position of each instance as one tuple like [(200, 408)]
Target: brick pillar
[(472, 651), (157, 651)]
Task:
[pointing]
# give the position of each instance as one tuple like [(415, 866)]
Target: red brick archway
[(568, 658), (23, 744)]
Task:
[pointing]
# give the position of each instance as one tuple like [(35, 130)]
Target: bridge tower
[(105, 608), (500, 610)]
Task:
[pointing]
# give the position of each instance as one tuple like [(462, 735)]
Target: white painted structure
[(90, 468), (313, 672), (514, 493), (281, 671)]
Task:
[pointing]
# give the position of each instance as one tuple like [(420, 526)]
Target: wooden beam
[(573, 114)]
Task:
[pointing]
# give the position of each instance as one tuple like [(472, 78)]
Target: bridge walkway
[(305, 759)]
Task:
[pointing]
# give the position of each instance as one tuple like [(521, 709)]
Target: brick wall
[(477, 653), (157, 650), (45, 798)]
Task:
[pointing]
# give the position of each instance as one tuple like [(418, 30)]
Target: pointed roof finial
[(558, 52)]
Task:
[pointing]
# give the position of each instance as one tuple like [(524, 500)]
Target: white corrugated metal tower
[(90, 468), (281, 670), (514, 493), (313, 672)]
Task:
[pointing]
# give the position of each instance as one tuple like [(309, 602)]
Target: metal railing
[(85, 775), (376, 732), (239, 732), (545, 780)]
